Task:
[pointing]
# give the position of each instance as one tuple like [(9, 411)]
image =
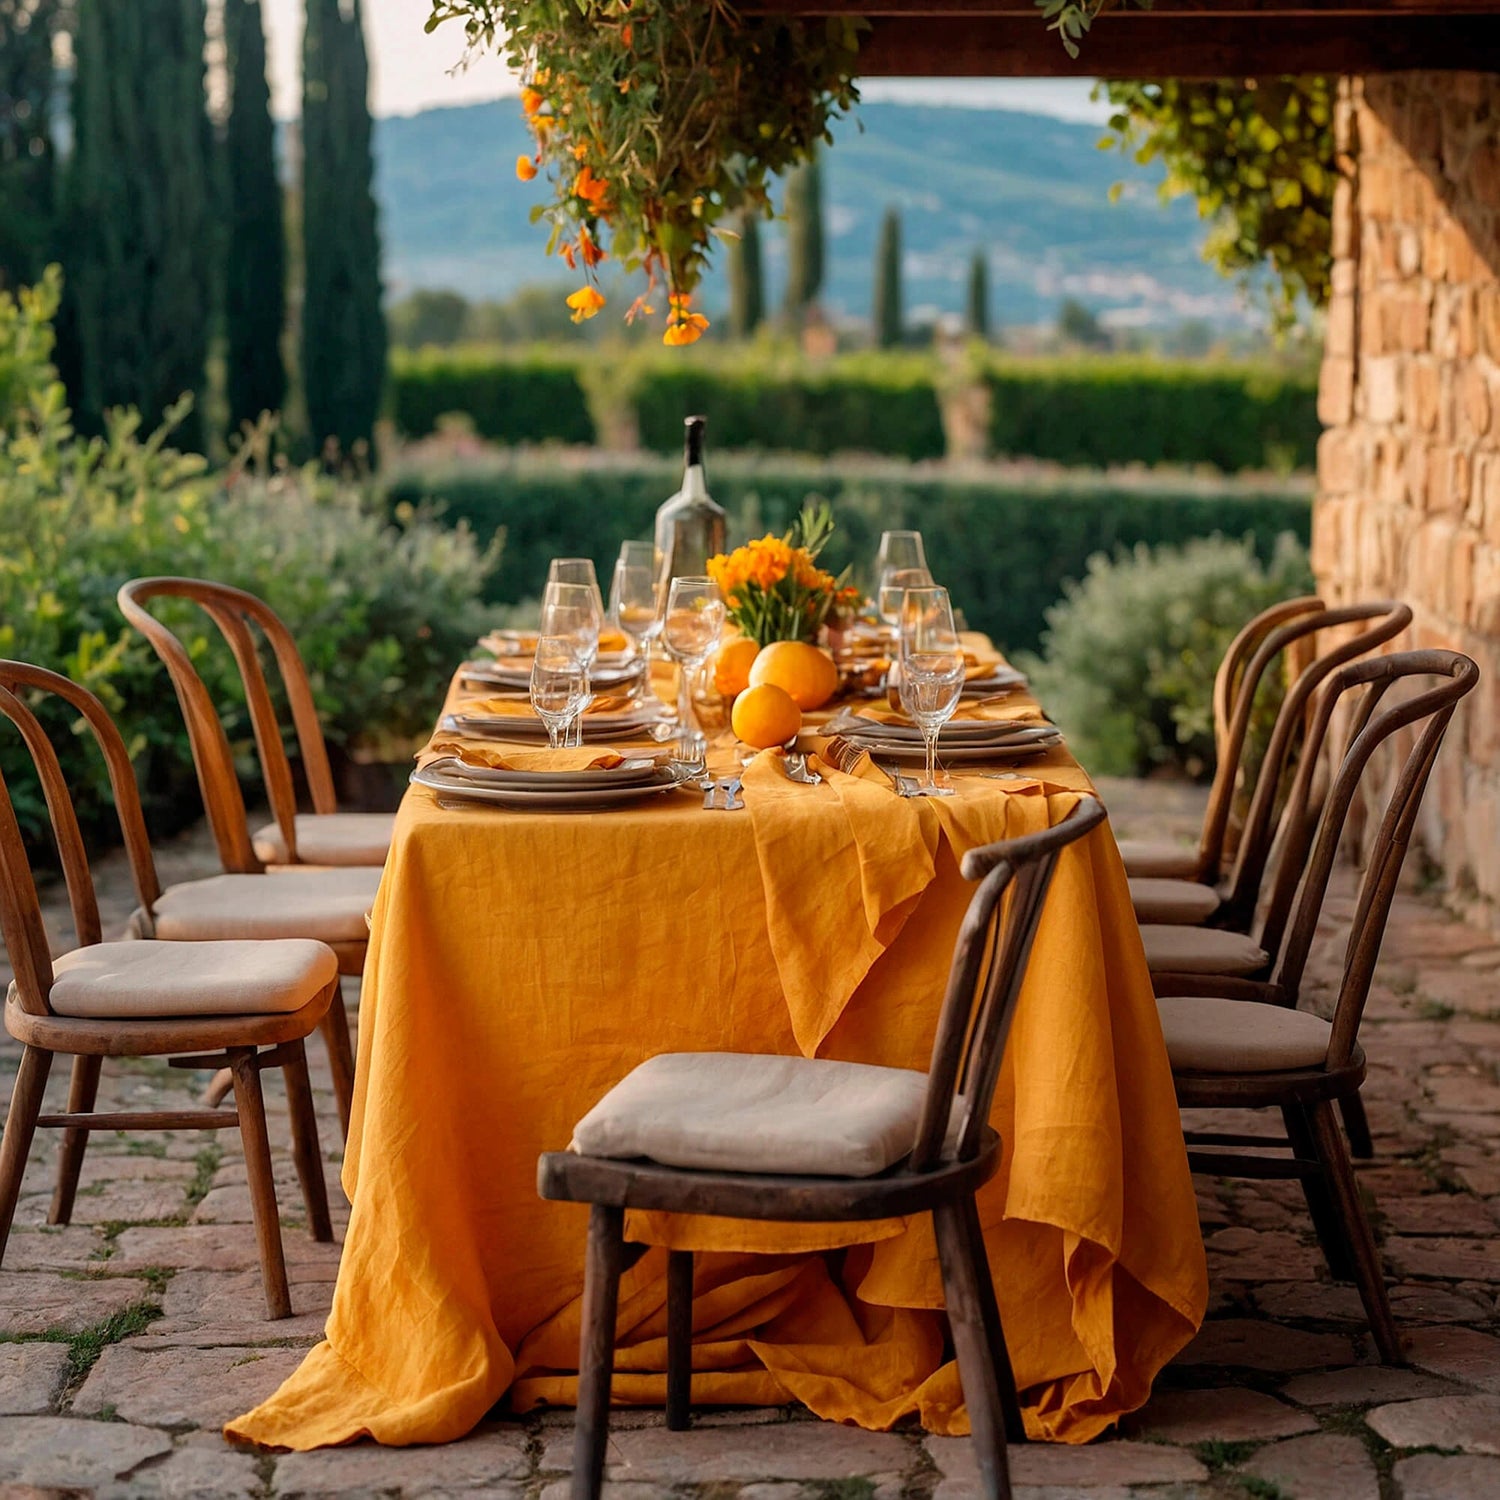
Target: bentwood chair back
[(247, 1006), (1239, 1043), (646, 1145), (330, 837)]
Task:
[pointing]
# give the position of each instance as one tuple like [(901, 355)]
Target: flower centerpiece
[(774, 588)]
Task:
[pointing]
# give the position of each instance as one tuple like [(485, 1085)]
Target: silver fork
[(728, 790), (903, 786)]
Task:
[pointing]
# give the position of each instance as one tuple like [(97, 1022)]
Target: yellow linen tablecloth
[(520, 964)]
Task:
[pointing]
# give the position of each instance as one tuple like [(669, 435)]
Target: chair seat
[(329, 905), (338, 839), (1209, 1035), (745, 1112), (1200, 950), (1155, 859), (145, 979), (1174, 902)]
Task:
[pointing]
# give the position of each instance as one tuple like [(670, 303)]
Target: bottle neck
[(694, 483)]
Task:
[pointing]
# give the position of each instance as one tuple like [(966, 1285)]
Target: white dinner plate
[(670, 778), (611, 669), (528, 727), (894, 750), (451, 768), (955, 731)]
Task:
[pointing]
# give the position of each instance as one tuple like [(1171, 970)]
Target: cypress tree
[(137, 219), (746, 281), (977, 314), (26, 154), (343, 326), (804, 236), (887, 315), (255, 252)]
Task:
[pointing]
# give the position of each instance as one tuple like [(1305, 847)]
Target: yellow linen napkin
[(845, 848), (520, 708), (512, 758), (882, 713)]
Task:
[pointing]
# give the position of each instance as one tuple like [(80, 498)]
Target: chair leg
[(251, 1105), (305, 1147), (335, 1029), (596, 1352), (1010, 1401), (20, 1126), (82, 1092), (1357, 1127), (679, 1340), (1369, 1275), (1320, 1205), (217, 1089), (976, 1366)]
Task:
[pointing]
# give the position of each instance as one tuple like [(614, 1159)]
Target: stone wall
[(1409, 468)]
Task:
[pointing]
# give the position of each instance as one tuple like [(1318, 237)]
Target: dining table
[(522, 962)]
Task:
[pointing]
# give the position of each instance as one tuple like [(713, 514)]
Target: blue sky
[(411, 71)]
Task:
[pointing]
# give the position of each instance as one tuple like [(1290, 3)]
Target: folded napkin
[(977, 713), (517, 758), (523, 643), (520, 708)]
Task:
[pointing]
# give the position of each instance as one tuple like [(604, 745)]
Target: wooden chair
[(1235, 686), (1230, 904), (685, 1133), (1240, 1043), (323, 837), (247, 1006)]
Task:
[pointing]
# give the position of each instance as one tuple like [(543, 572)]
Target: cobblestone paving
[(129, 1336)]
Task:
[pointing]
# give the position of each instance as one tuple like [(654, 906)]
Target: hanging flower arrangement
[(654, 121)]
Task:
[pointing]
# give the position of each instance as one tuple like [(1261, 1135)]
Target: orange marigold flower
[(585, 302), (531, 100), (627, 34), (685, 330), (525, 168), (590, 250), (580, 151), (569, 253), (593, 190)]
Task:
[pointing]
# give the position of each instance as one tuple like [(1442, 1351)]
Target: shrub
[(1005, 545), (381, 615), (535, 397), (1116, 411), (1131, 651)]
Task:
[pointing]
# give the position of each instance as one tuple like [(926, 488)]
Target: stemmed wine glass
[(559, 686), (932, 673), (691, 627), (574, 570), (635, 601), (572, 612), (899, 549), (894, 583)]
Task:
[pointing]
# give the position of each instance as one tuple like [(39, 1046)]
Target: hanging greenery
[(657, 121)]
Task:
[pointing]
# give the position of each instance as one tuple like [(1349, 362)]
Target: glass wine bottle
[(690, 528)]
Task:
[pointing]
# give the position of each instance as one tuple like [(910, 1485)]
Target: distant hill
[(1031, 190)]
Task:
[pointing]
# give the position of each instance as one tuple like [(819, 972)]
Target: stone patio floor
[(129, 1336)]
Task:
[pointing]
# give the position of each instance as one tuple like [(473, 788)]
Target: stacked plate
[(614, 669), (635, 779), (525, 725), (958, 740), (1002, 680)]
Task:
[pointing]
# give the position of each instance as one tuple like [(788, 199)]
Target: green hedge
[(1098, 410), (861, 404), (533, 397), (1005, 546), (1104, 411)]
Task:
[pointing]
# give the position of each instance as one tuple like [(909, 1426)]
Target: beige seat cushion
[(1200, 950), (143, 980), (743, 1112), (1151, 858), (329, 905), (330, 839), (1206, 1035), (1176, 902)]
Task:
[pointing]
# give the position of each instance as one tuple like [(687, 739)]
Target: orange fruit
[(804, 671), (732, 666), (765, 715)]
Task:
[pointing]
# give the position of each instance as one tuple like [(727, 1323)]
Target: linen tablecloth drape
[(521, 964)]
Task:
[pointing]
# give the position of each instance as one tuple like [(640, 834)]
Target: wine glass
[(932, 673), (573, 612), (559, 686), (635, 601), (691, 627), (575, 570), (894, 583), (899, 549)]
